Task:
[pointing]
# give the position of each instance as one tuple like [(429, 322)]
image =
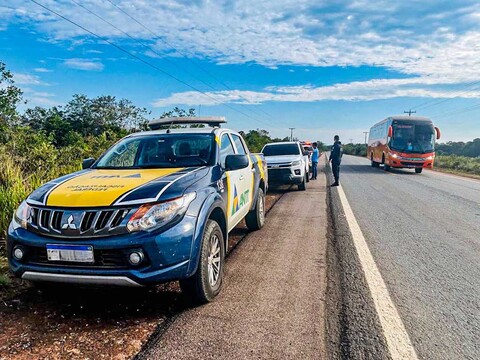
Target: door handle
[(242, 177)]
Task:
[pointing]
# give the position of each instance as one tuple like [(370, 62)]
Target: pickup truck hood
[(105, 187), (282, 159)]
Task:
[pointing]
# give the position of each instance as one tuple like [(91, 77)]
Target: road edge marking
[(398, 341)]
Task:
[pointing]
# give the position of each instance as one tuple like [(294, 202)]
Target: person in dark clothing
[(336, 158)]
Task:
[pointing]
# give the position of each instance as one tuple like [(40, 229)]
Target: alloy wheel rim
[(214, 263), (261, 209)]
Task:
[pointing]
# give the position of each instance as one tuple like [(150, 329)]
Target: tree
[(10, 97), (256, 139), (103, 113)]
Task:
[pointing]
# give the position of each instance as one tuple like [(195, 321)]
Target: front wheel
[(303, 185), (205, 284), (255, 218), (418, 170)]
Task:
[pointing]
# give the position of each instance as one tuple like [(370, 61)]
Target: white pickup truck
[(287, 163)]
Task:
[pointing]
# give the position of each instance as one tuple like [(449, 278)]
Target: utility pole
[(410, 112), (365, 133), (291, 133)]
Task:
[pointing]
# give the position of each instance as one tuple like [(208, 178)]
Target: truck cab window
[(226, 148)]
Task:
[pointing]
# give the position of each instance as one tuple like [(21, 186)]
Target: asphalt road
[(272, 305), (423, 231)]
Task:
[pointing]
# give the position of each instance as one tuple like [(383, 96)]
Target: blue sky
[(323, 67)]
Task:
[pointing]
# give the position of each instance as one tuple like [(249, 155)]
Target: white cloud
[(42, 70), (27, 79), (353, 91), (84, 64), (426, 40)]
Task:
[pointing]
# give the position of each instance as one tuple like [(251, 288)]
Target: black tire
[(374, 163), (303, 185), (386, 167), (255, 218), (418, 170), (308, 177), (199, 288)]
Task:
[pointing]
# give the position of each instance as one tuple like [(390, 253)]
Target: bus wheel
[(418, 170)]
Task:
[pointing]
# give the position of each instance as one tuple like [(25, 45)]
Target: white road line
[(398, 341)]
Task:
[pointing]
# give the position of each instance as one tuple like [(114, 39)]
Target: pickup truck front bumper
[(280, 176), (167, 257)]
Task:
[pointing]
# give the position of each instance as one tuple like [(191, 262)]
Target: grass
[(458, 164)]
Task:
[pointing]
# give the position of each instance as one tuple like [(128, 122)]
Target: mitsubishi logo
[(69, 224)]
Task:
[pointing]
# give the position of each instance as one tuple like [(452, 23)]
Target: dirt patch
[(64, 322)]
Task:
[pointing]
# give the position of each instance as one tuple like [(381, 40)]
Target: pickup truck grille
[(71, 223)]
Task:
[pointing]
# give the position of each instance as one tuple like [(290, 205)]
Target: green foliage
[(456, 163), (470, 148), (355, 149), (10, 97), (256, 139)]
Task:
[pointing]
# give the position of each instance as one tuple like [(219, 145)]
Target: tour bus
[(403, 142)]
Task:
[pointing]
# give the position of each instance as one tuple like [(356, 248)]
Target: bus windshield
[(413, 137)]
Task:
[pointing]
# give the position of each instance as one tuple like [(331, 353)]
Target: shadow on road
[(367, 169)]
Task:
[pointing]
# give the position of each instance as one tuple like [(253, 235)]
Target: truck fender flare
[(212, 202)]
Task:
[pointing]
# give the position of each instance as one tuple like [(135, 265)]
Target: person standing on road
[(315, 156), (336, 158)]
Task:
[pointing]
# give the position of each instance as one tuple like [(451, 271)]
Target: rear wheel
[(418, 170), (255, 219), (303, 185), (205, 284)]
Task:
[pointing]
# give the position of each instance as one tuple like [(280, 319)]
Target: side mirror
[(87, 163), (390, 131), (236, 162), (437, 130), (306, 153)]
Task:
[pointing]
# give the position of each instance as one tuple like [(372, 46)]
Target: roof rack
[(168, 122)]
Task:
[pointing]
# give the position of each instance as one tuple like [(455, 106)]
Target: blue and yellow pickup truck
[(156, 207)]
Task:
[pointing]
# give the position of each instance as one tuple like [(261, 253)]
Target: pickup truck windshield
[(159, 151), (282, 149)]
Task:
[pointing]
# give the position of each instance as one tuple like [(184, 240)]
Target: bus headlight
[(429, 157), (152, 216)]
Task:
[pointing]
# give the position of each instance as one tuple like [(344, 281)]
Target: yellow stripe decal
[(260, 166), (102, 187), (228, 195)]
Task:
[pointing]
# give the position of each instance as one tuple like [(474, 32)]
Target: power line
[(186, 56), (430, 103), (137, 57), (410, 112)]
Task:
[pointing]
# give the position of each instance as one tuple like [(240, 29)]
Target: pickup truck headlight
[(152, 216), (22, 214), (296, 163)]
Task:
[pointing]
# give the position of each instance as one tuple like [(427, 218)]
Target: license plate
[(70, 253)]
